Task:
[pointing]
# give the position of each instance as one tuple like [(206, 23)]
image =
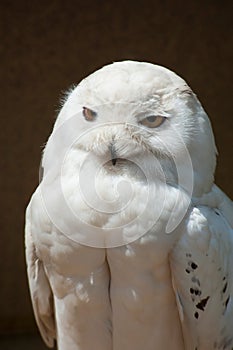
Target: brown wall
[(48, 46)]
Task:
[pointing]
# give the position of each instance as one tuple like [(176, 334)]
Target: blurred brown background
[(45, 47)]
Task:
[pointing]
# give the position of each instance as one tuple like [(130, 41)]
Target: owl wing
[(41, 294), (202, 272)]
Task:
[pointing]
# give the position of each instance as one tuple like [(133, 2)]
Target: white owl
[(128, 240)]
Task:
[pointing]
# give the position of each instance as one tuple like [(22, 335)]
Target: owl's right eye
[(153, 121), (89, 114)]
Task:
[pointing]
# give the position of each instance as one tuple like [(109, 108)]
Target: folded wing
[(202, 271), (41, 295)]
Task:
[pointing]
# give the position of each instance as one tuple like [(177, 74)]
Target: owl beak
[(113, 154)]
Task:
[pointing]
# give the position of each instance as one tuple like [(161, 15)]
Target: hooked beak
[(113, 154)]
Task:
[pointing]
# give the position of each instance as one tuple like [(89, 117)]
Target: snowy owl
[(128, 240)]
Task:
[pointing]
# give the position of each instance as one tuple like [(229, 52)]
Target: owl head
[(140, 112)]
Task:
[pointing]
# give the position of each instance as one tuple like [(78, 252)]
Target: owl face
[(141, 113)]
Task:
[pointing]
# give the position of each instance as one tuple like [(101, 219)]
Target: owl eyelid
[(154, 115)]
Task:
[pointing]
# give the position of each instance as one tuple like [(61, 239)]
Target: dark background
[(45, 47)]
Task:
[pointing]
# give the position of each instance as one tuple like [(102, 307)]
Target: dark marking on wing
[(202, 304), (194, 266), (225, 304), (224, 288), (195, 291), (227, 301)]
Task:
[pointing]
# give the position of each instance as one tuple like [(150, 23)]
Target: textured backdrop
[(48, 46)]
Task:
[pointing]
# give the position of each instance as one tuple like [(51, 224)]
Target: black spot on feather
[(202, 304), (227, 301), (224, 288), (194, 266)]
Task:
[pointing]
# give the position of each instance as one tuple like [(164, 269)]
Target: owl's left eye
[(153, 121), (89, 114)]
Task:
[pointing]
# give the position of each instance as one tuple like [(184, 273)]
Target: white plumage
[(128, 241)]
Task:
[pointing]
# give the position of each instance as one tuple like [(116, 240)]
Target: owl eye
[(153, 121), (88, 114)]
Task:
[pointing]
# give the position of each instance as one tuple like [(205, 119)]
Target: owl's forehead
[(129, 82)]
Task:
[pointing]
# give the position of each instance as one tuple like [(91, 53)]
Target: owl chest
[(129, 286), (117, 204), (142, 298), (140, 268)]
